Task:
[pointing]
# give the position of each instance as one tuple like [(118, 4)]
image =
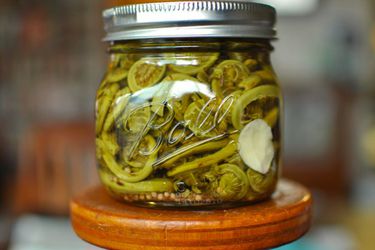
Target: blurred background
[(52, 60)]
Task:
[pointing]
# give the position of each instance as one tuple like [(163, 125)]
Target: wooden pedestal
[(102, 221)]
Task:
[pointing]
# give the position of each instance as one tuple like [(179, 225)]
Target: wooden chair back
[(55, 162)]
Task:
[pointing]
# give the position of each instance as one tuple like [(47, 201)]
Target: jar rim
[(192, 19)]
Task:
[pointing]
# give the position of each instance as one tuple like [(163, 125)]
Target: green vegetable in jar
[(183, 62), (104, 104), (231, 182), (206, 161), (249, 96), (227, 75), (145, 73), (148, 186), (177, 125), (262, 183)]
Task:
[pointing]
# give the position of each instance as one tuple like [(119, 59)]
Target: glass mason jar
[(188, 113)]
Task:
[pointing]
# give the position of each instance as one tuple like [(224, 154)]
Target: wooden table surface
[(105, 222)]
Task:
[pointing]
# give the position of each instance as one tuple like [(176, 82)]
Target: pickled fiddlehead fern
[(204, 61), (184, 126), (122, 187), (231, 182), (206, 161), (227, 75), (261, 183), (145, 73), (248, 97), (118, 169)]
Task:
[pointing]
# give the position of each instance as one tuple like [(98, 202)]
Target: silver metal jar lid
[(193, 19)]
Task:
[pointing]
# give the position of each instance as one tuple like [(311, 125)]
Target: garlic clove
[(256, 147)]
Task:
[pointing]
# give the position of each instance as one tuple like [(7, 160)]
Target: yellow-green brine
[(188, 112)]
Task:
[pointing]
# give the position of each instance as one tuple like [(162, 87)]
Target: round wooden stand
[(102, 221)]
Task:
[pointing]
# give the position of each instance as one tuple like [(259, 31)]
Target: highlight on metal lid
[(195, 19)]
